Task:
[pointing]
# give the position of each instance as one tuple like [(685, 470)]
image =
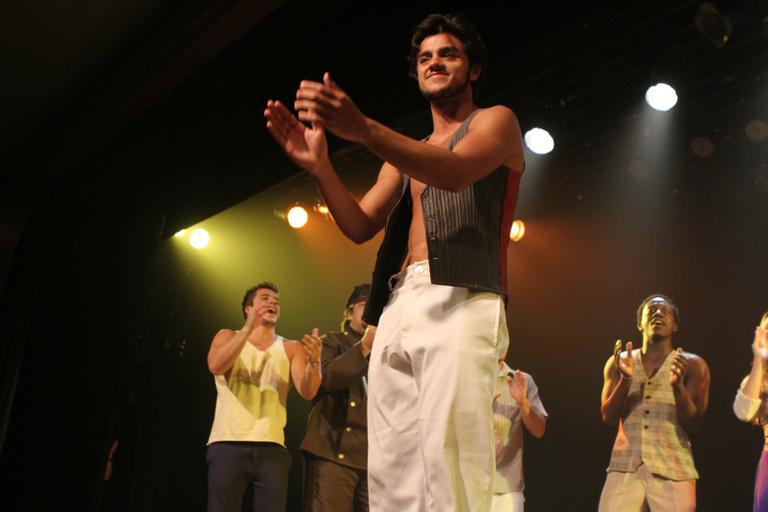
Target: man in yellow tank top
[(253, 368), (657, 395)]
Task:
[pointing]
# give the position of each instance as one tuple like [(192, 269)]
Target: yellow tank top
[(250, 403)]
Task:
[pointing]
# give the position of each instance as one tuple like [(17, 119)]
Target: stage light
[(716, 28), (661, 97), (199, 238), (757, 130), (518, 231), (702, 147), (180, 233), (539, 141), (321, 208), (297, 217)]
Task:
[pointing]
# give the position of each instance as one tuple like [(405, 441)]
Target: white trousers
[(642, 491), (431, 379), (508, 502)]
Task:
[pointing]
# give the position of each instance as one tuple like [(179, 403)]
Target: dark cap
[(361, 291)]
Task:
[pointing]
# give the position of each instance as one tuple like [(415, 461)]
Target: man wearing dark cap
[(335, 447)]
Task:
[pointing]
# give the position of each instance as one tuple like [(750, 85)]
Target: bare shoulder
[(697, 363), (222, 336), (291, 347), (497, 114)]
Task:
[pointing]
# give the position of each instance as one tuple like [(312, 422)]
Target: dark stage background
[(106, 318)]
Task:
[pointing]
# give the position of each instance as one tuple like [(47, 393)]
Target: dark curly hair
[(250, 292), (457, 26), (660, 296)]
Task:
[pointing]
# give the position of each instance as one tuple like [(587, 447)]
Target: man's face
[(267, 305), (442, 67), (658, 319), (356, 316)]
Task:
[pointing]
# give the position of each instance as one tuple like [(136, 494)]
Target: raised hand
[(679, 367), (326, 104), (625, 363), (760, 344), (366, 344), (518, 386), (305, 145), (313, 346)]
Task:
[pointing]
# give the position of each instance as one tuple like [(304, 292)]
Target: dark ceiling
[(126, 120), (173, 92)]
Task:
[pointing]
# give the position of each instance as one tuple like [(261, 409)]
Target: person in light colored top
[(516, 404), (751, 405), (657, 395), (252, 369)]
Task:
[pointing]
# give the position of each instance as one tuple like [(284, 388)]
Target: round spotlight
[(199, 238), (179, 233), (539, 141), (518, 231), (297, 217), (661, 97), (702, 147), (757, 130)]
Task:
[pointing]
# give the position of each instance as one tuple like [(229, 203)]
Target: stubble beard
[(447, 93)]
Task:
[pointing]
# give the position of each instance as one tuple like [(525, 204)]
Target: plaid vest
[(649, 432)]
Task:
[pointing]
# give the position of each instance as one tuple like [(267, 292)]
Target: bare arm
[(305, 364), (227, 344), (307, 147), (617, 376), (752, 386), (360, 221), (522, 391), (690, 385), (493, 140)]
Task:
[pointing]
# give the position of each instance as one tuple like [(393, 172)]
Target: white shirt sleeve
[(746, 408)]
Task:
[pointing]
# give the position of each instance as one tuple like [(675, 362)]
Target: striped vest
[(649, 432), (467, 234)]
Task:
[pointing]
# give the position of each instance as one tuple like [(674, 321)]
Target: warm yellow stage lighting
[(199, 238), (297, 217), (518, 231), (179, 233), (322, 209)]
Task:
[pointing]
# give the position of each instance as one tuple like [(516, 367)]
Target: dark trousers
[(258, 469), (331, 487)]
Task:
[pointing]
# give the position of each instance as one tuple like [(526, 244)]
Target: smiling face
[(657, 320), (443, 69), (266, 303)]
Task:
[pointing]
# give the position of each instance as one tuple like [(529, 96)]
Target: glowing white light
[(199, 238), (661, 97), (518, 231), (179, 233), (297, 217), (539, 141)]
